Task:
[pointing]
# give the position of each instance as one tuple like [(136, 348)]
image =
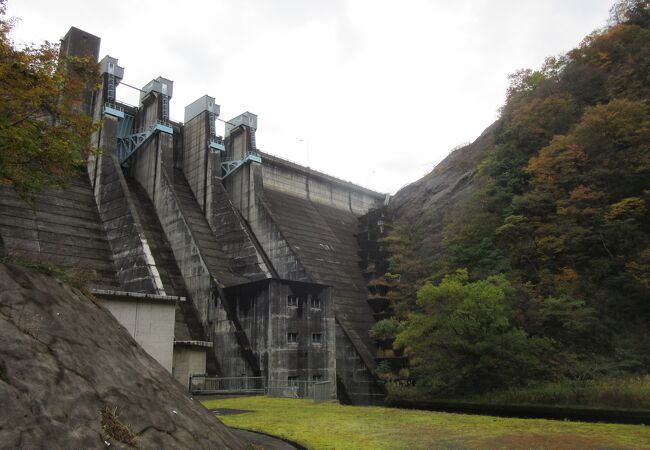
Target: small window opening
[(292, 380), (317, 378), (317, 338), (292, 300), (315, 302), (292, 338)]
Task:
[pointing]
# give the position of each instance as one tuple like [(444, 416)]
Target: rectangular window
[(292, 380), (315, 302), (292, 338), (317, 378), (292, 300), (317, 338)]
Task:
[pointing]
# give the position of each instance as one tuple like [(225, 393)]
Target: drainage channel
[(258, 440)]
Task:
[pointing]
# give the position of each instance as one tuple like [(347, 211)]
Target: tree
[(465, 339), (636, 12), (44, 135)]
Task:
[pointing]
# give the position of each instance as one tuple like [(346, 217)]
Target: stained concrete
[(267, 317), (306, 222), (188, 360), (323, 239), (62, 227), (136, 269), (236, 247)]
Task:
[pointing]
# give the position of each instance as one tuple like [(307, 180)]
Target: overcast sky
[(375, 92)]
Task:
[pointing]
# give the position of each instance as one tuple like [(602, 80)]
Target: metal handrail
[(113, 105), (318, 390)]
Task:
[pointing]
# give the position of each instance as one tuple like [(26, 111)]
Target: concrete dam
[(221, 258)]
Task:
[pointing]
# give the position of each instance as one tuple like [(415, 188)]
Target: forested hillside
[(524, 258)]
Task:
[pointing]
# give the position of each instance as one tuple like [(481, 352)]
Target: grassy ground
[(333, 426)]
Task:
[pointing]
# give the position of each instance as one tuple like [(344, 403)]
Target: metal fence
[(319, 391), (203, 384), (316, 390)]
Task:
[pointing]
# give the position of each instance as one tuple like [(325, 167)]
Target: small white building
[(151, 319)]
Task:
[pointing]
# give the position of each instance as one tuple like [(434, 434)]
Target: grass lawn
[(333, 426)]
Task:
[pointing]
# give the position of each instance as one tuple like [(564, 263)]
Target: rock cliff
[(425, 204)]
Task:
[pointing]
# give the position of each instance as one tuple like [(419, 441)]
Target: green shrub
[(633, 393), (384, 330)]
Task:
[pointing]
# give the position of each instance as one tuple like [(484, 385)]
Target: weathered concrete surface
[(149, 321), (136, 269), (306, 222), (323, 239), (64, 358), (267, 317), (188, 360), (294, 179), (202, 170), (62, 228), (188, 327)]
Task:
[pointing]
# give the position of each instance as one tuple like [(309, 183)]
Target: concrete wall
[(195, 156), (359, 383), (242, 187), (286, 206), (149, 321), (202, 169), (147, 165), (150, 166), (267, 318), (245, 183), (146, 162), (136, 269), (150, 111), (188, 360), (303, 182)]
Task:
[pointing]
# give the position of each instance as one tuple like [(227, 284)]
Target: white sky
[(375, 92)]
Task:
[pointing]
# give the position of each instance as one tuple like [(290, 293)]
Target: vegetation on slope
[(330, 425), (545, 272)]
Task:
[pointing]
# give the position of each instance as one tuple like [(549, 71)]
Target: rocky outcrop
[(64, 360), (425, 205)]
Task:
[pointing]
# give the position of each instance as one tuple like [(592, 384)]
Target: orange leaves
[(558, 163), (584, 194)]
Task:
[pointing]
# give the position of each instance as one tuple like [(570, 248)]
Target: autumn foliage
[(44, 135), (560, 220)]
